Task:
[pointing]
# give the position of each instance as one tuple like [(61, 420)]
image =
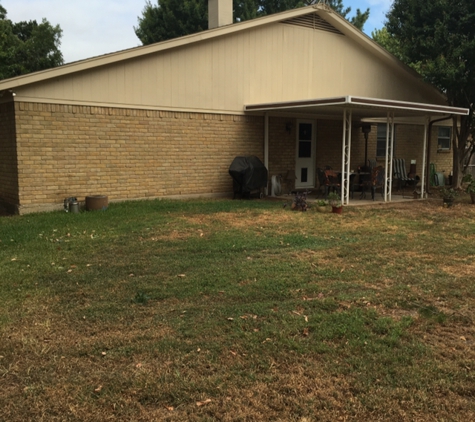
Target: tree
[(388, 42), (337, 5), (27, 46), (171, 19), (174, 18), (245, 10), (438, 39)]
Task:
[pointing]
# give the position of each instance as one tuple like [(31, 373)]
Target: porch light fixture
[(365, 128)]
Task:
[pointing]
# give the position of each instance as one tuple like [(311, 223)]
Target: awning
[(351, 109), (361, 108)]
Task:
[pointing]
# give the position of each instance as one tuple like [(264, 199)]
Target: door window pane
[(304, 175), (305, 149), (305, 131)]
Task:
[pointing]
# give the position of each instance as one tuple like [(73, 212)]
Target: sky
[(95, 27)]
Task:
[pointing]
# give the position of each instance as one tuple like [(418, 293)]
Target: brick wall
[(409, 145), (329, 133), (282, 144), (443, 160), (77, 151), (329, 140), (129, 154), (8, 156)]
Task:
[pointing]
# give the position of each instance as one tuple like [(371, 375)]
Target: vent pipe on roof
[(220, 13)]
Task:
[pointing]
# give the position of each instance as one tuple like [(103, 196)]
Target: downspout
[(429, 142)]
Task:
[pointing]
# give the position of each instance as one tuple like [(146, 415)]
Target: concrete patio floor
[(313, 196)]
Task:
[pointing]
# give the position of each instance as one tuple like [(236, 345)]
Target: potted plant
[(470, 187), (300, 202), (335, 201), (322, 206), (448, 196)]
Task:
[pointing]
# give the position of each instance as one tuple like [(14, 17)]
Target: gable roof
[(319, 16)]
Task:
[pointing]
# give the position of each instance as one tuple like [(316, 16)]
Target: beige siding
[(276, 62)]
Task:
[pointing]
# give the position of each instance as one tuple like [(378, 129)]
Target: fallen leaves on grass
[(300, 314), (202, 403)]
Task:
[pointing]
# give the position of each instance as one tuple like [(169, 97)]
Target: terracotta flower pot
[(337, 210), (97, 202)]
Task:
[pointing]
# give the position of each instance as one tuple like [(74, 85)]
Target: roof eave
[(356, 102)]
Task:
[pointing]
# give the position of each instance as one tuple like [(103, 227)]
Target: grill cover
[(248, 173)]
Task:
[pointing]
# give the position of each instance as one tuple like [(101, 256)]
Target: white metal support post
[(388, 168), (266, 146), (345, 157), (424, 155)]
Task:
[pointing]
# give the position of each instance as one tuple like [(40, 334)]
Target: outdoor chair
[(401, 176), (373, 182), (329, 180), (321, 182), (372, 164)]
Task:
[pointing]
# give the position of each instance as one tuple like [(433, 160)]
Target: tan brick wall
[(443, 160), (329, 134), (409, 145), (128, 154), (282, 149), (329, 140), (77, 151), (8, 156)]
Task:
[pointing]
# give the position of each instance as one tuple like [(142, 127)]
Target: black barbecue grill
[(249, 176)]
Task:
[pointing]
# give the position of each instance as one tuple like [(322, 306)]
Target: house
[(166, 120)]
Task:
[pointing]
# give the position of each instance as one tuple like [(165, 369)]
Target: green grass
[(149, 309)]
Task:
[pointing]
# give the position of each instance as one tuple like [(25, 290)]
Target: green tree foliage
[(245, 10), (438, 39), (358, 20), (170, 19), (27, 46), (387, 41), (174, 18)]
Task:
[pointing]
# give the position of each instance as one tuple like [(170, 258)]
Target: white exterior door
[(305, 156)]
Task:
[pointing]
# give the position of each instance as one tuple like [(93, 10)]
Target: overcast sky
[(95, 27)]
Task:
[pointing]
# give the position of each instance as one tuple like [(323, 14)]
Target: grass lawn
[(238, 311)]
